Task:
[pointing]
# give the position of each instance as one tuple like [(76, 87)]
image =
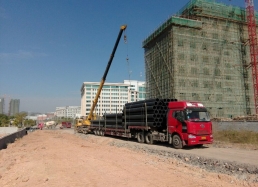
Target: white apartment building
[(136, 90), (113, 96), (68, 111)]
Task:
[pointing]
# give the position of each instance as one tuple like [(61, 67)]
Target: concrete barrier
[(4, 141), (235, 125)]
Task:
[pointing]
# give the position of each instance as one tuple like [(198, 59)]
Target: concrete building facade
[(113, 96), (137, 90), (202, 54)]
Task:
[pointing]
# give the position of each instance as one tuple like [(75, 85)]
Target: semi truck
[(66, 124), (180, 123)]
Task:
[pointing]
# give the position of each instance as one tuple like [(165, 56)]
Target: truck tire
[(177, 142), (140, 137), (98, 132), (148, 138)]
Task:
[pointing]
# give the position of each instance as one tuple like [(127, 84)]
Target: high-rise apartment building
[(1, 105), (14, 107), (113, 96)]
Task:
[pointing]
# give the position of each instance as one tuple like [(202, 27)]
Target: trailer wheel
[(148, 138), (177, 142), (140, 137)]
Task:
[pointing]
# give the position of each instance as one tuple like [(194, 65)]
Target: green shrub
[(232, 136)]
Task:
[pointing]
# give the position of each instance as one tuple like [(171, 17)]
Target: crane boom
[(95, 101), (250, 16)]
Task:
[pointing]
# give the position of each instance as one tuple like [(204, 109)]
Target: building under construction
[(203, 54)]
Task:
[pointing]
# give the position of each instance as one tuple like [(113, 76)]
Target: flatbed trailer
[(137, 132), (180, 123)]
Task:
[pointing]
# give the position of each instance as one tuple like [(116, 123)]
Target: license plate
[(203, 138)]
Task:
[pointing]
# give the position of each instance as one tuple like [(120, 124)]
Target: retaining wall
[(11, 138)]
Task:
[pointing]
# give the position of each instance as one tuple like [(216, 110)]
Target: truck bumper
[(204, 139)]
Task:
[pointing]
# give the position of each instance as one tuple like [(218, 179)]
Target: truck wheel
[(140, 137), (148, 138), (177, 142), (98, 132)]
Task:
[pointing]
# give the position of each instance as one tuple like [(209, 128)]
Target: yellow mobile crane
[(82, 125)]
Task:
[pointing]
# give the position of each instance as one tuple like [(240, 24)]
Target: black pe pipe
[(139, 123), (139, 116), (142, 101), (119, 115), (155, 103)]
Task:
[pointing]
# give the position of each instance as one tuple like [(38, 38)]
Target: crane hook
[(125, 39)]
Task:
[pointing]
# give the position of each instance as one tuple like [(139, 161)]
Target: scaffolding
[(201, 54)]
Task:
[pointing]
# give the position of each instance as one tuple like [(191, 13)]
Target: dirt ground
[(61, 158)]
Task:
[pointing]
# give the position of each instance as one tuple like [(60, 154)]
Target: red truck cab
[(66, 124), (189, 124)]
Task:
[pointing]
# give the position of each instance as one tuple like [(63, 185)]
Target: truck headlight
[(190, 136)]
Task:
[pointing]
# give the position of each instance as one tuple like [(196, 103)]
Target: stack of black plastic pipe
[(150, 112), (110, 120)]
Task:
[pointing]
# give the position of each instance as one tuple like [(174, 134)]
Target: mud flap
[(170, 139)]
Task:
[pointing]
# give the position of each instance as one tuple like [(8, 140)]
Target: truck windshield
[(197, 115)]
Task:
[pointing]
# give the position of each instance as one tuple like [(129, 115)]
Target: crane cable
[(127, 58)]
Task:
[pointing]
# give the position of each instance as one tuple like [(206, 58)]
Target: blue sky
[(48, 48)]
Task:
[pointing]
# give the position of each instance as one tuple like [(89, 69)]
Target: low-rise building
[(68, 111), (113, 96)]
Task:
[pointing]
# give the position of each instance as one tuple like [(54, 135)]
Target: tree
[(19, 118), (29, 122), (4, 120)]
